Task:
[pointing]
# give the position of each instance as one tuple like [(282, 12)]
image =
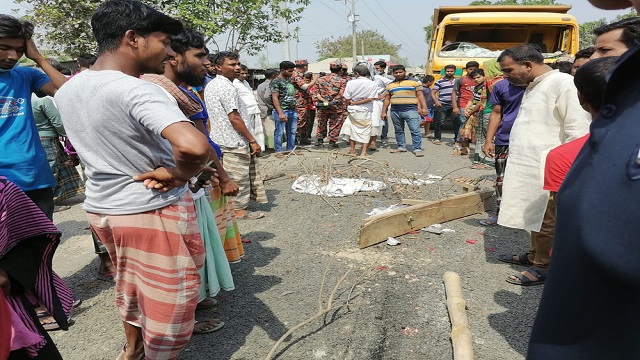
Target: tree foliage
[(374, 43), (64, 25), (588, 38)]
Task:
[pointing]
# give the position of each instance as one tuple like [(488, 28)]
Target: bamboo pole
[(456, 304)]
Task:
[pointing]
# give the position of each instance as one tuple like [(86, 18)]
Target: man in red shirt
[(461, 96)]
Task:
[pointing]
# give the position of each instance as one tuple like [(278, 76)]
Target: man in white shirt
[(550, 115), (230, 130), (359, 94), (253, 109)]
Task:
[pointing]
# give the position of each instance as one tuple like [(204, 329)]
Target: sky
[(401, 22)]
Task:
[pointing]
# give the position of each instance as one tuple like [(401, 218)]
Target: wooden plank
[(413, 202), (378, 228)]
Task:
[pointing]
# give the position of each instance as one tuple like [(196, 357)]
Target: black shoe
[(320, 142), (333, 145), (305, 142)]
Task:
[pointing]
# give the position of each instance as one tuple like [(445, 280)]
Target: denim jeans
[(290, 126), (385, 130), (440, 114), (412, 118)]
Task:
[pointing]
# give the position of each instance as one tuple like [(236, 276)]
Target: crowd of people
[(168, 136)]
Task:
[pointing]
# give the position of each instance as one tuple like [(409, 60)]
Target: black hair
[(399, 67), (630, 30), (523, 53), (244, 67), (86, 60), (66, 71), (287, 65), (308, 75), (187, 39), (450, 66), (472, 64), (591, 80), (362, 70), (585, 53), (477, 72), (11, 27), (322, 73), (55, 64), (270, 73), (218, 58), (563, 66), (114, 18), (212, 58), (428, 78), (381, 63)]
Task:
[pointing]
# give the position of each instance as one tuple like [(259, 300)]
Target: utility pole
[(286, 48), (354, 43), (362, 43)]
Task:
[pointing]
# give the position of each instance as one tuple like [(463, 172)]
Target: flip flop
[(207, 303), (207, 330), (523, 259), (110, 277), (396, 151), (538, 274), (492, 221), (249, 215), (53, 325)]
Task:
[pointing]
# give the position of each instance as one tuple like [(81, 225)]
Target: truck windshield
[(490, 40)]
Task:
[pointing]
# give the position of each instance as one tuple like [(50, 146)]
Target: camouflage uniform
[(303, 103), (331, 88)]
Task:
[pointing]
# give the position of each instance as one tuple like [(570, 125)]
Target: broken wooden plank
[(378, 228), (413, 202)]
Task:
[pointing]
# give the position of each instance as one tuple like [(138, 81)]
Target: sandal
[(492, 221), (49, 323), (207, 326), (207, 303), (536, 276), (249, 215), (396, 151), (522, 259), (436, 142)]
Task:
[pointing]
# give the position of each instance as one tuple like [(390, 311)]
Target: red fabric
[(559, 161), (467, 85), (5, 328)]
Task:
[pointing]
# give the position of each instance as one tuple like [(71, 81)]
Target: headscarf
[(491, 69)]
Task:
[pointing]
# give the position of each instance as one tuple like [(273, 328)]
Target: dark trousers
[(439, 115), (43, 198)]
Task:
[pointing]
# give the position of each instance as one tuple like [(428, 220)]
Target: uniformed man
[(303, 101), (330, 103)]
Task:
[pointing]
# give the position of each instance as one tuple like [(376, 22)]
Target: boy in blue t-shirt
[(22, 159)]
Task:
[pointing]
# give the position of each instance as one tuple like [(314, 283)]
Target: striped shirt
[(444, 87), (403, 94)]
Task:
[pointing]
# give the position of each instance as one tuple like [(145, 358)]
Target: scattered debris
[(456, 304), (471, 241), (409, 331), (393, 242), (377, 211), (286, 293), (381, 268), (433, 229), (410, 181), (448, 231), (334, 187), (489, 249), (430, 248)]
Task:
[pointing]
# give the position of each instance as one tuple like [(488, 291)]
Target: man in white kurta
[(550, 115), (359, 94), (254, 122)]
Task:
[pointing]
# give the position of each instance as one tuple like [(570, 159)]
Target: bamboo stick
[(456, 304)]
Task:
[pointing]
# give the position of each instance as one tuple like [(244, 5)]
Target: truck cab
[(464, 33)]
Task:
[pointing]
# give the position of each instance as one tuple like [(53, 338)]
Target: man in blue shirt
[(22, 159)]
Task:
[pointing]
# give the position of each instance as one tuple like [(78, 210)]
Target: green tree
[(588, 38), (374, 43), (249, 25)]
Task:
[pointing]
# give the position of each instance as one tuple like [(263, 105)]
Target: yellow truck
[(464, 33)]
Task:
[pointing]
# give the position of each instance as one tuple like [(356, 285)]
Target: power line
[(399, 27), (414, 52)]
